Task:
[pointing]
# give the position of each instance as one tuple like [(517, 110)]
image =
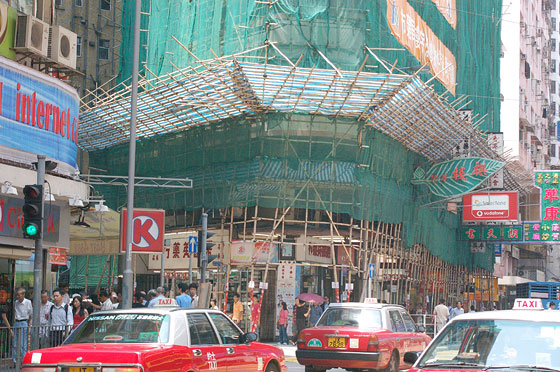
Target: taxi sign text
[(527, 303), (166, 302)]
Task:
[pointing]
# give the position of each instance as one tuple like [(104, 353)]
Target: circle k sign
[(147, 230)]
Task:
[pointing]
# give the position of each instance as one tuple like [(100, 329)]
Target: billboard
[(148, 229), (490, 206), (38, 113)]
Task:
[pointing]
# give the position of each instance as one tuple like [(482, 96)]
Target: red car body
[(186, 349), (373, 336)]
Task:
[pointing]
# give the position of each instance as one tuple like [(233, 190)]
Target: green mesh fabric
[(337, 28), (94, 268), (266, 161)]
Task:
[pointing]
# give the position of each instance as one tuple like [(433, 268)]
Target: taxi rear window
[(348, 317), (122, 328)]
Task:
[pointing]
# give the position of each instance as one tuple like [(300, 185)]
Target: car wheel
[(271, 368), (310, 369), (393, 363)]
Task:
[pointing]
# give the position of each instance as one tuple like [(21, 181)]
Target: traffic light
[(209, 257), (32, 211)]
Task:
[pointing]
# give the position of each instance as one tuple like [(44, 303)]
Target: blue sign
[(38, 113), (371, 270), (193, 244), (498, 250), (558, 130)]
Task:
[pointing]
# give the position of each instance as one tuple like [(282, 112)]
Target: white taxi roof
[(360, 305), (528, 315), (152, 310)]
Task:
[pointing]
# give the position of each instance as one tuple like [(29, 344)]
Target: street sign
[(371, 270), (193, 244)]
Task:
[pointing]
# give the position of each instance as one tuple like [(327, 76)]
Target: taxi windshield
[(122, 328), (479, 344), (348, 317)]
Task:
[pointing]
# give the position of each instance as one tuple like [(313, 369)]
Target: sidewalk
[(289, 350)]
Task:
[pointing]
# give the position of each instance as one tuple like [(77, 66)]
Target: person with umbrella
[(302, 312)]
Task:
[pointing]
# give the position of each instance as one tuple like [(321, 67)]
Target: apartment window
[(79, 46), (58, 3), (553, 151), (103, 51), (105, 4), (553, 65), (553, 46), (79, 2)]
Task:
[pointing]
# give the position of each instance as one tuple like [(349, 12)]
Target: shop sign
[(470, 233), (547, 230), (57, 256), (496, 143), (541, 232), (414, 34), (287, 271), (11, 219), (8, 19), (148, 228), (38, 113), (246, 252), (318, 253), (508, 234), (478, 247), (490, 206), (175, 275), (176, 254), (342, 255), (448, 8), (458, 176)]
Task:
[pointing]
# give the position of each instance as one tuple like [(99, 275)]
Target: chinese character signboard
[(478, 247), (507, 233), (513, 233), (496, 143), (491, 233), (470, 233), (458, 176), (548, 229), (490, 206), (57, 256)]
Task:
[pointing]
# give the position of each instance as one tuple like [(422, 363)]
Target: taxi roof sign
[(163, 302), (370, 300), (527, 304)]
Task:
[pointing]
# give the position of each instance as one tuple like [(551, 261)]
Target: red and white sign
[(57, 256), (148, 228), (490, 206), (527, 304)]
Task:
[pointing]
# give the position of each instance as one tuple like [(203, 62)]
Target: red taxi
[(357, 336), (526, 338), (157, 340)]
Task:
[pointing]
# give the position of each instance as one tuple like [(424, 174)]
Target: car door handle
[(230, 350), (197, 352)]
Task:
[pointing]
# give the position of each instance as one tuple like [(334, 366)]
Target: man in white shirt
[(193, 288), (66, 290), (441, 313), (24, 317), (457, 310), (44, 319), (160, 291), (61, 319), (106, 303)]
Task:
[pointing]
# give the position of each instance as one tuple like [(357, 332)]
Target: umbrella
[(311, 297)]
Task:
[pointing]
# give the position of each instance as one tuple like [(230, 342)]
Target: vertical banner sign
[(496, 143), (448, 8), (414, 34), (148, 229), (548, 230)]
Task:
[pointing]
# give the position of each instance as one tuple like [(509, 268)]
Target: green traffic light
[(31, 230)]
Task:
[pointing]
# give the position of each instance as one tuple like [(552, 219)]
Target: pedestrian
[(237, 315), (44, 319), (551, 306), (66, 289), (150, 296), (441, 313), (472, 309), (166, 294), (24, 317), (115, 300), (144, 301), (183, 299), (61, 319), (94, 303), (160, 292), (458, 310), (106, 303), (282, 324), (326, 304), (193, 288), (302, 313), (315, 313), (213, 305), (138, 300), (79, 312), (255, 315)]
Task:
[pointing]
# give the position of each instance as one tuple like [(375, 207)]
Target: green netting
[(266, 161), (93, 266), (337, 28)]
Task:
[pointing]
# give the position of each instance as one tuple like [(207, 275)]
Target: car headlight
[(38, 369)]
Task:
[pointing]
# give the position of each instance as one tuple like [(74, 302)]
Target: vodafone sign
[(148, 228), (490, 206)]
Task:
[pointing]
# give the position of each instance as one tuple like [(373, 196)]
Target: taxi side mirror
[(411, 357), (247, 338)]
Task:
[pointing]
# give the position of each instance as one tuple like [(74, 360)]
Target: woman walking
[(282, 323), (78, 310)]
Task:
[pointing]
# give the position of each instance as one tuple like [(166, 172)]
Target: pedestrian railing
[(16, 341), (426, 321)]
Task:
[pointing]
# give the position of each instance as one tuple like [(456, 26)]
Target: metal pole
[(38, 262), (162, 272), (190, 267), (202, 249), (128, 274)]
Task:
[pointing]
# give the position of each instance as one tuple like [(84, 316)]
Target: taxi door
[(208, 354), (418, 340), (240, 356)]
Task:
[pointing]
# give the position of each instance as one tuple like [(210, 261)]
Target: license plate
[(337, 342), (81, 369)]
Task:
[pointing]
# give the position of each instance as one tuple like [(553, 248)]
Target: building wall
[(99, 38)]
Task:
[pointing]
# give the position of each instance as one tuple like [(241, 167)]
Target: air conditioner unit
[(44, 10), (62, 46), (32, 35)]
